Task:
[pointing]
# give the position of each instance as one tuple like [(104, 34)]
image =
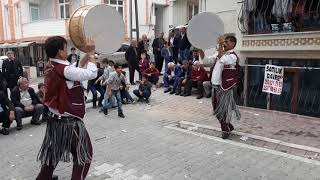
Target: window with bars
[(34, 12), (64, 9), (117, 4)]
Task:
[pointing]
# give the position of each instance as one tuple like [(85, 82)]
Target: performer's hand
[(11, 116), (90, 46)]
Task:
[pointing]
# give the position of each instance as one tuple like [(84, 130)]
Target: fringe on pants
[(226, 105), (57, 142)]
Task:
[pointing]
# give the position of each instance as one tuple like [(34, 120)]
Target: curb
[(250, 138)]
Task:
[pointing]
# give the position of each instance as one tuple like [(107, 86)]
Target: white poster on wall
[(273, 79)]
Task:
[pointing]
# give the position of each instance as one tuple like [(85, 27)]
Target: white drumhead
[(204, 29), (105, 26)]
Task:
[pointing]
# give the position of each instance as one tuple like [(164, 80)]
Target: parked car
[(2, 58)]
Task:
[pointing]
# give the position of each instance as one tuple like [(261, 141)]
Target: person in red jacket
[(143, 63), (198, 76), (152, 74)]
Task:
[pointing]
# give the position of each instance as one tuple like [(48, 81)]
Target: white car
[(2, 58)]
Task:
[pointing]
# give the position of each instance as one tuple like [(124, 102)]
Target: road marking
[(115, 172), (298, 158)]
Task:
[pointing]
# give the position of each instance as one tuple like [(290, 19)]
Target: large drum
[(102, 23), (204, 30)]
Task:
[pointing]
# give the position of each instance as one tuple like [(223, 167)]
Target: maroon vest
[(230, 75), (59, 96)]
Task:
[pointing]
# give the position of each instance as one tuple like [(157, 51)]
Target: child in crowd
[(143, 63), (166, 53), (144, 91), (124, 91), (41, 94)]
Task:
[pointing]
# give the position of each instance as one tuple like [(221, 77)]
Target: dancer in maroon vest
[(224, 80), (66, 133)]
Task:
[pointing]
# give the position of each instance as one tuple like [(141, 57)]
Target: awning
[(16, 45)]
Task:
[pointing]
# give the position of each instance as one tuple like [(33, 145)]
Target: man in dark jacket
[(144, 91), (12, 70), (184, 79), (6, 113), (73, 57), (26, 102), (157, 45), (132, 57), (173, 43), (184, 45)]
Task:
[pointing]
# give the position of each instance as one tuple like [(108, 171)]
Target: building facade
[(284, 33), (25, 24)]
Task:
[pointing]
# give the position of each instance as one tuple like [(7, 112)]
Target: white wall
[(180, 12), (45, 28)]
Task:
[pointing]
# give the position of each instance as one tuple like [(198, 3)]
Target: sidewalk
[(276, 125), (282, 126)]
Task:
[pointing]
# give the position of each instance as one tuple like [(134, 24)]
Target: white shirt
[(73, 73), (25, 98), (171, 40), (226, 59)]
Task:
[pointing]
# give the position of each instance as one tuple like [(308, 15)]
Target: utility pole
[(136, 29)]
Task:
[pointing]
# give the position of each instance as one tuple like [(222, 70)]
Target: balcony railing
[(265, 17)]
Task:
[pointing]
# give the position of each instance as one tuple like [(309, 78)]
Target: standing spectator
[(194, 56), (3, 84), (113, 83), (166, 53), (26, 102), (94, 87), (12, 70), (143, 46), (171, 77), (108, 69), (184, 79), (6, 113), (173, 43), (41, 93), (198, 76), (133, 60), (143, 63), (184, 45), (144, 91), (157, 45), (152, 74), (73, 57)]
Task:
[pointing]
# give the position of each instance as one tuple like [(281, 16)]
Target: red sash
[(230, 75)]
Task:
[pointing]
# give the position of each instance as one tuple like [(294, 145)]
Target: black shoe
[(132, 83), (121, 115), (36, 122), (178, 93), (147, 101), (54, 177), (167, 90), (225, 135), (19, 128), (105, 111), (4, 131), (208, 96), (182, 94), (200, 96), (172, 92), (187, 94)]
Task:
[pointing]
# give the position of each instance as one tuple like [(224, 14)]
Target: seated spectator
[(198, 76), (194, 56), (208, 85), (143, 63), (40, 95), (171, 77), (144, 91), (184, 79), (152, 74), (6, 113), (26, 102)]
